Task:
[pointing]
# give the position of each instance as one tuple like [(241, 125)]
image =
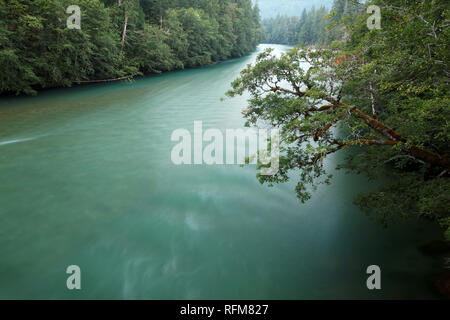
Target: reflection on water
[(86, 179)]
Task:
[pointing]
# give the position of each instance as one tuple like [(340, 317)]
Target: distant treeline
[(309, 28), (118, 39), (272, 8), (316, 26)]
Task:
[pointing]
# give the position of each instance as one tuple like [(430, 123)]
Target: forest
[(309, 28), (271, 9), (118, 39), (314, 26)]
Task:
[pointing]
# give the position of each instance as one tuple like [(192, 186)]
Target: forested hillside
[(118, 39), (271, 8), (309, 28), (315, 26)]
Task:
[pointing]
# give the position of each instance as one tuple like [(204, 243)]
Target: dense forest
[(380, 94), (309, 28), (314, 26), (118, 39), (271, 8)]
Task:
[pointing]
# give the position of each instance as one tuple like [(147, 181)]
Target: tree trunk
[(394, 137), (427, 156), (124, 33)]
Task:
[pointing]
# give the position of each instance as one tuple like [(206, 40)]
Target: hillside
[(270, 8)]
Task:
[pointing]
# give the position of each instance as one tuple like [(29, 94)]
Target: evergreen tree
[(309, 28)]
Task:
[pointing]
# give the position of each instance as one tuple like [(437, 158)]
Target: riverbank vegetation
[(118, 39), (387, 89)]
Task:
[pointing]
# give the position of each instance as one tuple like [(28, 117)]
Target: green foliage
[(37, 50), (381, 95), (309, 28), (316, 26), (271, 8)]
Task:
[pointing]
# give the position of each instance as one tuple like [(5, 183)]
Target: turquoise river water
[(86, 179)]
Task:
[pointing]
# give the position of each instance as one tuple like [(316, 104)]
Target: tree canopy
[(381, 95), (309, 28), (118, 39), (271, 9)]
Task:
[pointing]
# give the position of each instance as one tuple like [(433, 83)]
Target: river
[(86, 179)]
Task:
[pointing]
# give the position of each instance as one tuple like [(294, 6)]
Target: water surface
[(86, 179)]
